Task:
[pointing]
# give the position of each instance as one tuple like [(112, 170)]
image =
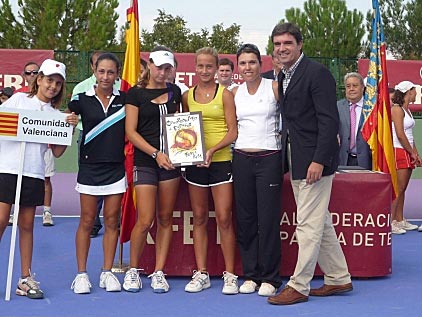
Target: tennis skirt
[(101, 179)]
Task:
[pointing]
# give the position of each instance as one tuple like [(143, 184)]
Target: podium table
[(360, 207)]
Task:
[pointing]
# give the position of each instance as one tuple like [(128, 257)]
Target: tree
[(197, 40), (11, 32), (59, 25), (167, 30), (172, 32), (329, 29), (226, 41), (402, 27)]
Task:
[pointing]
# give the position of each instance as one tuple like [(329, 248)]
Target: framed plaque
[(184, 138)]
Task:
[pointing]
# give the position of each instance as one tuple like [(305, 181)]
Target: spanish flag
[(130, 74), (132, 65), (9, 123), (376, 129)]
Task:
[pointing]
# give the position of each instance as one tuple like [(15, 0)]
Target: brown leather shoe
[(327, 290), (287, 296)]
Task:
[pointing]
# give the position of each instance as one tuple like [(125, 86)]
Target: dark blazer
[(269, 75), (310, 118), (364, 155)]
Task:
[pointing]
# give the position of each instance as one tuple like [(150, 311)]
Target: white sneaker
[(406, 225), (158, 282), (81, 284), (47, 219), (396, 227), (248, 287), (266, 289), (29, 287), (199, 282), (420, 228), (110, 282), (132, 282), (230, 283)]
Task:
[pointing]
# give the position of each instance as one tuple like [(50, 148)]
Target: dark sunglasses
[(247, 46), (33, 72)]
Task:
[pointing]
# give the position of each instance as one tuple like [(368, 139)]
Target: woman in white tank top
[(257, 175), (406, 154)]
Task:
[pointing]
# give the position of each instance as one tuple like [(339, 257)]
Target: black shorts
[(153, 175), (216, 174), (32, 190)]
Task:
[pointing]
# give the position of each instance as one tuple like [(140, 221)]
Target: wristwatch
[(154, 155)]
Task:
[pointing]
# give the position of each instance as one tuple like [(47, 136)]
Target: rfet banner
[(397, 71), (360, 208), (13, 62), (186, 67)]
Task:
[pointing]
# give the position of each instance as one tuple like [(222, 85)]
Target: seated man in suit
[(273, 73), (354, 151)]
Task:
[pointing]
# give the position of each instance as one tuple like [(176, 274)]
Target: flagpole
[(120, 267), (15, 222)]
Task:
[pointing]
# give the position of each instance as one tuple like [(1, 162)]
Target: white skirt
[(118, 187)]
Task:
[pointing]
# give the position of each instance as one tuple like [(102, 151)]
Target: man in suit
[(273, 73), (354, 151), (307, 94)]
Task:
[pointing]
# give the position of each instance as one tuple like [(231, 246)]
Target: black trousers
[(352, 160), (257, 180)]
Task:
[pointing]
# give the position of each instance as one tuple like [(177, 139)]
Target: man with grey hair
[(354, 151)]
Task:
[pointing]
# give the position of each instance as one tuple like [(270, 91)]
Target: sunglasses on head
[(248, 46), (33, 72)]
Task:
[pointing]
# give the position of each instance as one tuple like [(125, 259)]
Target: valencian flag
[(9, 123), (130, 74), (376, 129)]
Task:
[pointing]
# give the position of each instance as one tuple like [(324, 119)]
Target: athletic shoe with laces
[(200, 281), (396, 228), (110, 282), (10, 220), (158, 282), (132, 282), (230, 283), (81, 284), (406, 225), (29, 287), (266, 289), (248, 287), (47, 219)]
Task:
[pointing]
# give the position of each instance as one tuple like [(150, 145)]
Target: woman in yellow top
[(220, 130)]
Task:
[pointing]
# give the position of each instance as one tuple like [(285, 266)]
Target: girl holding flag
[(101, 168), (45, 94)]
